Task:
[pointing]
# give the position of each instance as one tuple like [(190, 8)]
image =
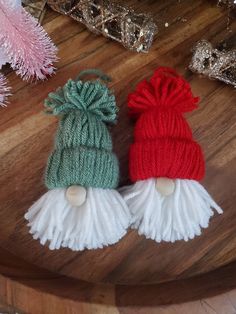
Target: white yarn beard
[(179, 216), (100, 221)]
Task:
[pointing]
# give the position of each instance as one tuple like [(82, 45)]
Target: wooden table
[(135, 273)]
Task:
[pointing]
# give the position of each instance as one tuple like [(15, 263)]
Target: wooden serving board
[(136, 271)]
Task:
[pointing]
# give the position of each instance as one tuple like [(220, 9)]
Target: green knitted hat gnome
[(81, 209), (83, 146)]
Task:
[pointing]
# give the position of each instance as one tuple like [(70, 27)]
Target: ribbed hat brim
[(166, 157), (84, 166)]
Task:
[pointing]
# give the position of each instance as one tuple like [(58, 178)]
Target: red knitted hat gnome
[(166, 202)]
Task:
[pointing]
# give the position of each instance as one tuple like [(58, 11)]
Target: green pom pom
[(90, 97)]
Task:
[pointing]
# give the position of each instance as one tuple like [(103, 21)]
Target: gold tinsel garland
[(230, 3), (35, 7), (214, 63), (133, 30)]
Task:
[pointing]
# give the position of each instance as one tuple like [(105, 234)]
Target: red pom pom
[(166, 89)]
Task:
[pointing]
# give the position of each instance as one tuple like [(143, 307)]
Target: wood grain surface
[(39, 291), (27, 138)]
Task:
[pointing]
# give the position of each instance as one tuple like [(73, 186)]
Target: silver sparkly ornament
[(214, 63), (135, 31), (36, 8), (229, 3)]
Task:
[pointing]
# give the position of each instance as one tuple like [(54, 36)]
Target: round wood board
[(135, 266)]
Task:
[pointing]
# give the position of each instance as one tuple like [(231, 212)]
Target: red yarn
[(166, 89), (164, 145)]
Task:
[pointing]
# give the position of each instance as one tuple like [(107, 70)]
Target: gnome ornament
[(82, 209), (166, 201)]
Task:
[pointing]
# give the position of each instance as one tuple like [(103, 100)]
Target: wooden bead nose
[(165, 186), (76, 195)]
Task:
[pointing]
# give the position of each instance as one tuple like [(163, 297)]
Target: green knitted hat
[(83, 146)]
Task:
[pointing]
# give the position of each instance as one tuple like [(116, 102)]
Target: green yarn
[(96, 72), (83, 146)]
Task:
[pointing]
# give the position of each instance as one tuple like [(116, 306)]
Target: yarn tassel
[(100, 221), (179, 216)]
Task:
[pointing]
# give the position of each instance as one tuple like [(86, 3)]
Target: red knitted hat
[(163, 142)]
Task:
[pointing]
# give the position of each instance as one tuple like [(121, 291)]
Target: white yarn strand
[(102, 220), (179, 216)]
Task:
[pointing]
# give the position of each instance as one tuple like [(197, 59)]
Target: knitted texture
[(163, 142), (83, 146)]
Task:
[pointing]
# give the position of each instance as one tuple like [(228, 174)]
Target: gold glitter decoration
[(214, 63), (35, 7), (134, 31)]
